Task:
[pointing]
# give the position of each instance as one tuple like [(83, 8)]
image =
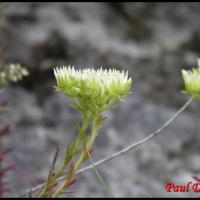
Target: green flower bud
[(192, 81)]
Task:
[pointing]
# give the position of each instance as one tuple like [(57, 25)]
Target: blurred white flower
[(11, 73)]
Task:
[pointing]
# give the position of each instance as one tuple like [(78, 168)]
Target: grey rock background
[(153, 41)]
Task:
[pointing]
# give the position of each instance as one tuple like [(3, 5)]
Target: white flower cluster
[(96, 88), (192, 80), (11, 73)]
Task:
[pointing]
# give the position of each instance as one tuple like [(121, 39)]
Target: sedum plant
[(92, 92), (192, 81)]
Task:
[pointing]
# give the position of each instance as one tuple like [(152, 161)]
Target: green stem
[(82, 135), (60, 171), (96, 123), (81, 138), (88, 146)]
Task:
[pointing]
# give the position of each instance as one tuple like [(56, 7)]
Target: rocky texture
[(151, 40)]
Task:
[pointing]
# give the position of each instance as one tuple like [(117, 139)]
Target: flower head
[(192, 81), (92, 90), (11, 73)]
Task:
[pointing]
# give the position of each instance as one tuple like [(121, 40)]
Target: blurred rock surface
[(153, 41)]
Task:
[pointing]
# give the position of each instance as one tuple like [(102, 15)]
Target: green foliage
[(93, 91)]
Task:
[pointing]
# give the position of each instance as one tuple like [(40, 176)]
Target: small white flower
[(11, 73)]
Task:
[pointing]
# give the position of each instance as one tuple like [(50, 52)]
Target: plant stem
[(81, 138), (126, 149), (94, 132), (84, 151), (60, 171)]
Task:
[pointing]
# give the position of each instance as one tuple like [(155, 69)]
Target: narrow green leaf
[(52, 166), (103, 184)]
